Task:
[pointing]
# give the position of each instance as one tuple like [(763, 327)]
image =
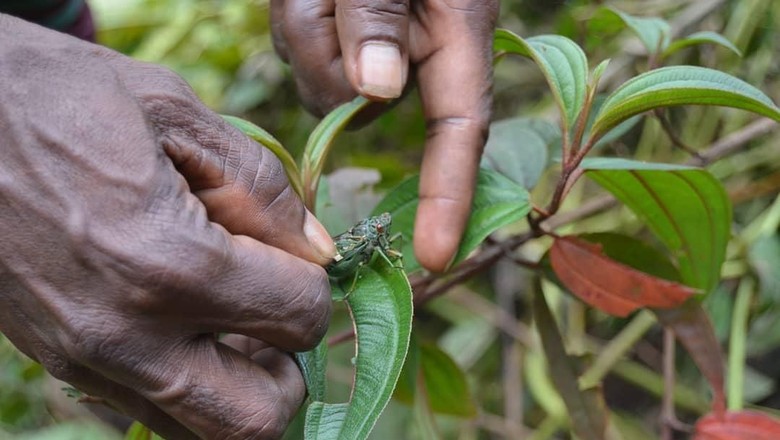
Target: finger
[(245, 189), (271, 358), (454, 77), (243, 185), (99, 390), (311, 41), (203, 280), (191, 388), (374, 36), (217, 392)]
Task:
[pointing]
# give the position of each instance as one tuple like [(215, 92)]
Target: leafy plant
[(685, 207), (562, 285)]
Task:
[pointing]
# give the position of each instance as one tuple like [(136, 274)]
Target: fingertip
[(437, 234), (319, 239), (380, 71)]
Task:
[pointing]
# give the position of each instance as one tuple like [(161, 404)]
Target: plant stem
[(737, 342), (649, 380), (669, 130), (582, 122), (669, 421), (616, 349)]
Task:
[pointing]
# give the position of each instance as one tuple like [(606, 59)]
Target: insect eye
[(380, 228)]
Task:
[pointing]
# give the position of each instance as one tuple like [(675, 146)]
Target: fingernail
[(380, 70), (318, 237)]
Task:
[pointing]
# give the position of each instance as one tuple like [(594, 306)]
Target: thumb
[(242, 184), (374, 37), (245, 189)]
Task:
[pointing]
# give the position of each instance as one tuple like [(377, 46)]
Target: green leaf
[(680, 85), (318, 145), (687, 208), (498, 202), (265, 139), (613, 134), (381, 307), (653, 32), (518, 148), (324, 420), (598, 72), (705, 37), (445, 383), (562, 62), (313, 364), (405, 389), (536, 371), (447, 388)]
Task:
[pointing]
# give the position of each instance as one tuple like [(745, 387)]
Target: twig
[(670, 133), (735, 141), (669, 420)]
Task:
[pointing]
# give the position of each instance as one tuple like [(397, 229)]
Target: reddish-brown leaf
[(738, 425), (610, 286)]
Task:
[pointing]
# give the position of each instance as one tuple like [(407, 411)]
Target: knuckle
[(380, 10), (476, 123), (260, 172), (163, 94)]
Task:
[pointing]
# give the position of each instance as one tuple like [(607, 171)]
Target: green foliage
[(431, 373), (523, 165), (680, 85), (268, 141), (320, 142), (681, 226), (381, 307), (685, 207), (562, 62), (497, 202)]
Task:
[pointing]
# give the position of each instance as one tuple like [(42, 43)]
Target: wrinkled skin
[(445, 45), (136, 225)]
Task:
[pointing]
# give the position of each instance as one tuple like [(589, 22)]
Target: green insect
[(356, 246)]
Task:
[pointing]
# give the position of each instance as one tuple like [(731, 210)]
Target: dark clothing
[(69, 16)]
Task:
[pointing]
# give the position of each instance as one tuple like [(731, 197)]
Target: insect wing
[(353, 255)]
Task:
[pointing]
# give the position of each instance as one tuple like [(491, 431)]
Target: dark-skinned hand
[(339, 48), (135, 226)]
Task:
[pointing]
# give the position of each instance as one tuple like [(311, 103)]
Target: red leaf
[(610, 286), (738, 425)]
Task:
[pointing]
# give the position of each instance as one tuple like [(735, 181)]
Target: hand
[(339, 48), (136, 225)]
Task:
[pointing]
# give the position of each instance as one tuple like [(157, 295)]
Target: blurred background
[(223, 49)]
